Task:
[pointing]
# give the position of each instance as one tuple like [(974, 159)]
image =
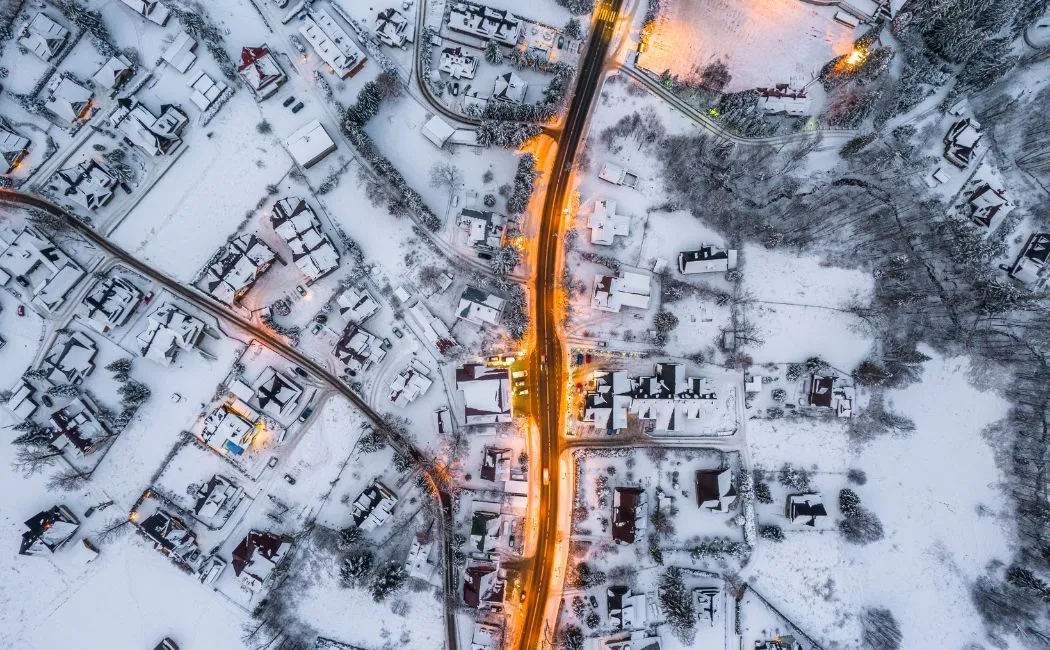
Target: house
[(629, 514), (68, 100), (785, 642), (235, 269), (666, 401), (87, 184), (258, 554), (437, 131), (484, 229), (218, 494), (332, 43), (312, 250), (418, 563), (43, 37), (110, 303), (638, 641), (704, 599), (480, 307), (358, 349), (43, 269), (805, 509), (204, 90), (781, 100), (491, 530), (356, 304), (392, 27), (13, 148), (484, 584), (485, 22), (605, 224), (1033, 264), (114, 73), (260, 70), (509, 88), (627, 290), (617, 175), (485, 392), (21, 403), (434, 331), (410, 384), (310, 144), (961, 142), (823, 394), (707, 259), (495, 464), (48, 531), (374, 506), (70, 360), (486, 636), (988, 205), (231, 428), (75, 426), (627, 611), (168, 330), (179, 54), (715, 490), (171, 537), (607, 404), (275, 393), (156, 135), (458, 64), (151, 10)]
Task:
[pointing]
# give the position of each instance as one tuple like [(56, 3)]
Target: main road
[(223, 313), (547, 362)]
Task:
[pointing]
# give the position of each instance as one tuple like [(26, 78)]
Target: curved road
[(547, 362), (222, 312)]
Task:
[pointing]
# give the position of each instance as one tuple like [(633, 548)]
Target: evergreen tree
[(677, 604), (356, 569), (493, 53), (388, 579)]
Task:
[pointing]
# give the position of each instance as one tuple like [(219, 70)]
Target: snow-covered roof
[(275, 393), (714, 489), (356, 304), (86, 183), (626, 290), (12, 148), (486, 22), (805, 509), (260, 71), (707, 259), (434, 331), (237, 267), (358, 348), (1033, 264), (258, 555), (48, 530), (310, 144), (114, 72), (374, 506), (484, 228), (204, 90), (168, 330), (179, 54), (438, 131), (392, 27), (76, 426), (510, 88), (230, 428), (109, 303), (605, 224), (48, 271), (151, 10), (332, 43), (457, 63), (480, 307), (312, 250), (409, 384), (485, 392), (43, 36), (68, 99), (630, 514), (156, 135)]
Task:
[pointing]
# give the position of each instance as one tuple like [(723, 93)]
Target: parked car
[(587, 357), (175, 397), (147, 297), (316, 328), (484, 256), (603, 344), (298, 107), (579, 358), (290, 479), (46, 399), (387, 343), (305, 415), (299, 371), (300, 290), (21, 310), (297, 43), (272, 462), (398, 333), (288, 102)]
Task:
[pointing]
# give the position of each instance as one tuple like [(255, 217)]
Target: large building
[(41, 268), (310, 144), (236, 268), (485, 22), (260, 71), (485, 392), (43, 37), (169, 330), (625, 290), (667, 401), (156, 135), (68, 99), (332, 43), (312, 250), (110, 303), (47, 531), (1033, 264), (86, 183)]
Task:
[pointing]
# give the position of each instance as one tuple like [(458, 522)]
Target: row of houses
[(668, 400)]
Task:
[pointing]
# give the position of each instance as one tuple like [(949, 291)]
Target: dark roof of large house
[(807, 509), (707, 486), (705, 253), (624, 516), (472, 585), (491, 459), (39, 523), (1038, 248), (820, 391), (265, 544), (159, 527)]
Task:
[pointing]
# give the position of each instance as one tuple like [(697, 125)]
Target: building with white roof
[(418, 563), (151, 10), (179, 54), (156, 135), (435, 332), (260, 71), (310, 144), (332, 43), (236, 268), (486, 636), (626, 290), (668, 400), (204, 90), (457, 64), (617, 175), (275, 393), (988, 204), (605, 224), (215, 496), (48, 531), (707, 259), (110, 303), (21, 403), (961, 142), (509, 88), (485, 394), (480, 307), (257, 556), (358, 349), (68, 99), (1033, 264), (114, 73), (409, 384), (484, 228), (231, 428), (374, 506), (70, 360), (312, 250), (356, 304), (86, 183), (393, 28), (47, 273), (43, 37), (13, 148), (437, 131), (169, 330), (76, 427), (485, 22)]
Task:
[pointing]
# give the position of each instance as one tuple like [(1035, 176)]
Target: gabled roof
[(49, 530), (259, 553)]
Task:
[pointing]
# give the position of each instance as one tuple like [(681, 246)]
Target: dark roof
[(265, 544), (39, 523), (705, 253), (159, 527), (624, 516), (472, 585), (707, 486), (488, 464), (807, 509), (820, 391), (1038, 248)]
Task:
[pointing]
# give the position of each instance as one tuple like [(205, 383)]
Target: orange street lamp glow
[(856, 57)]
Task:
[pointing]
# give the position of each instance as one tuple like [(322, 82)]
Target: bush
[(863, 527), (665, 321), (762, 494), (779, 395), (677, 603), (793, 477), (881, 630), (772, 533), (849, 502), (356, 568), (489, 200), (388, 580), (856, 476)]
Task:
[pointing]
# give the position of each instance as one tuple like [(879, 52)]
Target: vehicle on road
[(305, 415), (46, 399), (316, 328), (522, 392), (519, 374), (147, 297), (603, 344), (300, 290), (398, 333), (288, 102), (21, 310), (546, 476)]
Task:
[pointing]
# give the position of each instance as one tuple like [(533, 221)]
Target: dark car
[(148, 297), (299, 371), (290, 479), (561, 42), (298, 107), (305, 415), (46, 399), (288, 102), (579, 358), (398, 333), (485, 256), (21, 310)]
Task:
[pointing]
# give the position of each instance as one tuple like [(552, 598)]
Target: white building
[(1033, 264), (627, 290), (707, 259), (114, 73), (310, 144), (43, 37), (204, 90), (70, 360), (156, 135), (275, 393), (110, 303), (480, 307), (21, 403), (393, 28), (356, 304), (484, 228), (485, 22), (410, 384), (485, 393), (47, 273), (68, 100), (169, 330), (86, 183), (605, 224), (418, 563), (457, 64), (76, 427), (668, 400), (312, 250), (260, 71), (179, 54), (332, 43), (13, 148), (437, 131), (434, 331), (806, 509), (151, 10), (374, 506), (617, 175), (961, 142), (231, 428), (988, 205), (509, 88), (358, 349), (233, 272)]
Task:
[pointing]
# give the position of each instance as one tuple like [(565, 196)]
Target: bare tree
[(33, 459), (68, 480)]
